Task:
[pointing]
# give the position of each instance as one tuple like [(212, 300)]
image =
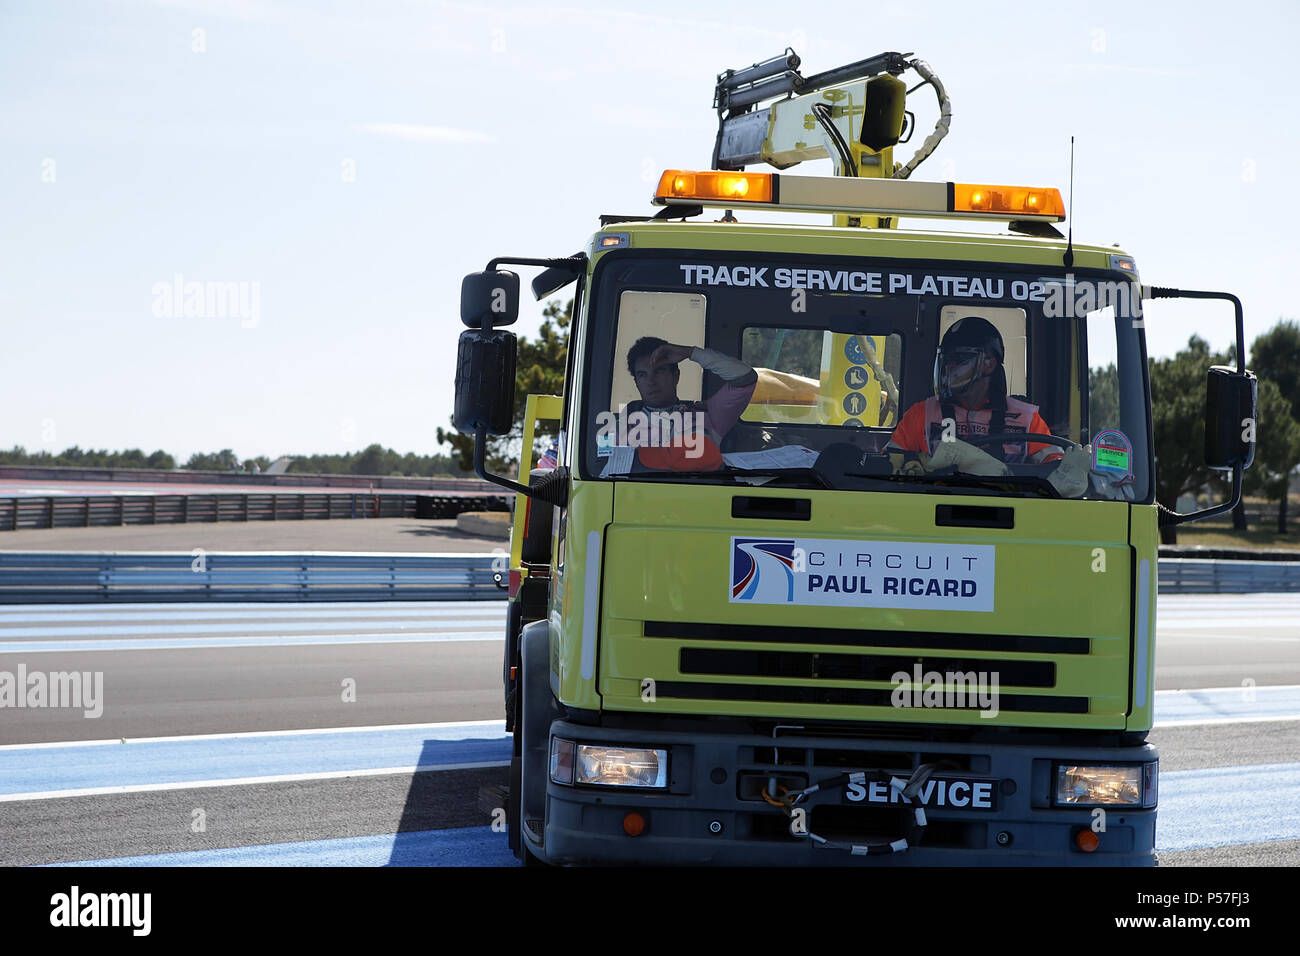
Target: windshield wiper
[(736, 473), (962, 479)]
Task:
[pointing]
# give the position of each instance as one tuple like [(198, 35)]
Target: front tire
[(534, 712)]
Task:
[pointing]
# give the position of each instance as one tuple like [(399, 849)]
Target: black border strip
[(854, 637)]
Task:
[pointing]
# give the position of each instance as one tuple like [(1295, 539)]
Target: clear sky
[(348, 162)]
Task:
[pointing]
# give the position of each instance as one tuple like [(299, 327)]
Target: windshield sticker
[(1112, 453), (871, 283), (822, 572)]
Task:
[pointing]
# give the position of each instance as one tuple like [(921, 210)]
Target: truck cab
[(848, 553)]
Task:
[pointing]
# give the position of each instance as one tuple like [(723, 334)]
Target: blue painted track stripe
[(36, 770), (1225, 704), (1228, 806), (470, 846)]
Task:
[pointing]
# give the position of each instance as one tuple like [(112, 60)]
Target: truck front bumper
[(713, 810)]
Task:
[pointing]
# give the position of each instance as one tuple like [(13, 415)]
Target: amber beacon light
[(714, 184), (1011, 200)]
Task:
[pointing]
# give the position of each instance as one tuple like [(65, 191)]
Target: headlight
[(1131, 785), (621, 766)]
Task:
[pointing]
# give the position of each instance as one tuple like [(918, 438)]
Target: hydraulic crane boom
[(854, 115)]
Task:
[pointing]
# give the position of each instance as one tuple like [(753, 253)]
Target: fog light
[(1079, 785), (1087, 840), (621, 766), (634, 824)]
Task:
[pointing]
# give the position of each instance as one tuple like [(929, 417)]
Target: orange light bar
[(1008, 200), (714, 184)]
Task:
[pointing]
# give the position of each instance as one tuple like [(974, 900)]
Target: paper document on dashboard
[(788, 456), (619, 461)]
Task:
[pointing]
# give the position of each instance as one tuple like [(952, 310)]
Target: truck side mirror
[(1230, 406), (485, 381), (493, 296)]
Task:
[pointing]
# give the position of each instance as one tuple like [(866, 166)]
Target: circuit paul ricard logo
[(762, 570)]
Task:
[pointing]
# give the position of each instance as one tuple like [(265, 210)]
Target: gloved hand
[(966, 457), (1070, 478)]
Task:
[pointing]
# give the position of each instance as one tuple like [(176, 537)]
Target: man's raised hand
[(669, 354)]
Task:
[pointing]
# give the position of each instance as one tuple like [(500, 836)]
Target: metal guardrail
[(94, 577), (1208, 576), (91, 577), (155, 476), (88, 511)]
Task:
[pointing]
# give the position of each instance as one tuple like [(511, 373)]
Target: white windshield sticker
[(823, 572)]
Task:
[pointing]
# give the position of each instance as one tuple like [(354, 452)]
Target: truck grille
[(858, 662)]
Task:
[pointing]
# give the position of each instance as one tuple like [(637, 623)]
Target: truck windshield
[(860, 373)]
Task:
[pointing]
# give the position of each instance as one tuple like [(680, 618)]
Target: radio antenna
[(1069, 242)]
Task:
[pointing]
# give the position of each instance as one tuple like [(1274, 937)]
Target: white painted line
[(70, 645), (1237, 688), (1202, 722), (168, 608), (441, 725), (242, 781)]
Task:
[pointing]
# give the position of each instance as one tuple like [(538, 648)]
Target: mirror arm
[(571, 262), (1168, 518), (551, 488), (1158, 292), (480, 465)]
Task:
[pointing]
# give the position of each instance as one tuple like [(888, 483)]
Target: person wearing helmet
[(970, 400)]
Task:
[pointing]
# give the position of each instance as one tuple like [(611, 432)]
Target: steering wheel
[(1018, 438)]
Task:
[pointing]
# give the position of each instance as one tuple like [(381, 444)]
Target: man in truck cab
[(653, 364), (970, 400)]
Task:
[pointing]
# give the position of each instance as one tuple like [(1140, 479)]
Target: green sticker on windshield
[(1112, 452)]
